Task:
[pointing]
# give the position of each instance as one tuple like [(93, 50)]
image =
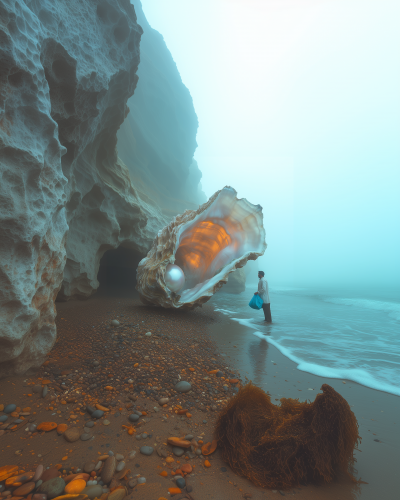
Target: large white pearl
[(174, 277)]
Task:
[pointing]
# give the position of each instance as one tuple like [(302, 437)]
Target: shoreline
[(202, 340)]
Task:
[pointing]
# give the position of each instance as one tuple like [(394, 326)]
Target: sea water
[(346, 334)]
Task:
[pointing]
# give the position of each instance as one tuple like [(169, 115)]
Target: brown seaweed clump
[(287, 445)]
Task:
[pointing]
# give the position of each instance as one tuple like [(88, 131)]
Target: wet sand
[(135, 370)]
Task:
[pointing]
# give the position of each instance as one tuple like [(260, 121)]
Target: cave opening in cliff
[(117, 271)]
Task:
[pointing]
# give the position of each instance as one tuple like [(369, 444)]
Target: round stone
[(106, 422), (198, 451), (134, 417), (72, 434), (96, 363), (3, 418), (120, 466), (24, 490), (183, 386), (174, 277), (10, 408), (89, 424), (88, 467), (146, 450), (141, 480), (85, 436), (148, 334), (97, 414), (144, 435), (219, 374), (93, 491), (114, 322), (178, 451), (52, 488), (189, 437), (132, 483), (180, 482), (119, 457), (45, 391), (163, 401)]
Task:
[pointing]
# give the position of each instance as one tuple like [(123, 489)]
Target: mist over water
[(299, 111)]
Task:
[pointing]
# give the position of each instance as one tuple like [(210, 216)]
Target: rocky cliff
[(67, 70), (158, 139)]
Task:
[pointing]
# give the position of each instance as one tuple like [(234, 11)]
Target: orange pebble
[(200, 441), (64, 458), (108, 388), (164, 473), (207, 463), (75, 486), (135, 365), (189, 415), (174, 491), (47, 426), (191, 369)]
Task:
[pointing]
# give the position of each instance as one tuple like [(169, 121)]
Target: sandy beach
[(123, 370)]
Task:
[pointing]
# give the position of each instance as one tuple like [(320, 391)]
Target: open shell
[(207, 244)]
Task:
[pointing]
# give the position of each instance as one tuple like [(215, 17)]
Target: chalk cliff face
[(66, 72), (158, 139)]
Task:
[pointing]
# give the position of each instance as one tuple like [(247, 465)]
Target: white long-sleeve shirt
[(263, 290)]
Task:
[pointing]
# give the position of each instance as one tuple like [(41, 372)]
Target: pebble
[(38, 473), (52, 488), (86, 429), (119, 457), (180, 482), (98, 465), (10, 408), (32, 427), (24, 490), (148, 334), (37, 389), (72, 434), (96, 363), (114, 322), (132, 483), (183, 386), (45, 391), (97, 414), (3, 418), (50, 474), (90, 409), (89, 467), (141, 480), (108, 469), (189, 488), (163, 401), (146, 450), (89, 424), (204, 421), (198, 451), (178, 451), (85, 436), (131, 455), (219, 374), (93, 491), (38, 483), (138, 437), (117, 494), (144, 435), (39, 496), (120, 466), (106, 422), (189, 437), (91, 483)]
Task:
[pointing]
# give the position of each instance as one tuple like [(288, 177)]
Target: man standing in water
[(263, 293)]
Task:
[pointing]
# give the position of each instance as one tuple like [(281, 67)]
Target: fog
[(299, 110)]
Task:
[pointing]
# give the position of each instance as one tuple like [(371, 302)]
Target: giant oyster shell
[(207, 244)]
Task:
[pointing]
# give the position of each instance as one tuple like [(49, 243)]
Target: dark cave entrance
[(117, 271)]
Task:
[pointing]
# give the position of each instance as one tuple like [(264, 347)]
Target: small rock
[(178, 451), (148, 334), (10, 408), (85, 436), (108, 469), (119, 457), (106, 422), (133, 417), (144, 435), (98, 465), (132, 483), (183, 386), (3, 418), (93, 491), (24, 489), (45, 391), (96, 363), (97, 414), (141, 480), (89, 467), (180, 482), (131, 455), (138, 437), (72, 434), (37, 389), (90, 409), (38, 473), (189, 488), (89, 424), (163, 401), (189, 437), (204, 421), (117, 494), (114, 322), (198, 451), (52, 488), (120, 466), (146, 450)]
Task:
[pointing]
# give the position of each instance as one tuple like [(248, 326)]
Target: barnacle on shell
[(192, 257)]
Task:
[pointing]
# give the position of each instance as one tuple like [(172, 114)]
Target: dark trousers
[(267, 312)]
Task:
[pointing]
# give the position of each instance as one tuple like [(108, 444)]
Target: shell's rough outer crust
[(150, 273)]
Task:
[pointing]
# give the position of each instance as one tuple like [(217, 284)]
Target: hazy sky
[(299, 110)]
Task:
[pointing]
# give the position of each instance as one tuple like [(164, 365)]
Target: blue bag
[(256, 302)]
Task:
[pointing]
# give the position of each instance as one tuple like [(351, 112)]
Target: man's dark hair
[(262, 273)]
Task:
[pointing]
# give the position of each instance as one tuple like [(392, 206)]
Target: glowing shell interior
[(192, 257)]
